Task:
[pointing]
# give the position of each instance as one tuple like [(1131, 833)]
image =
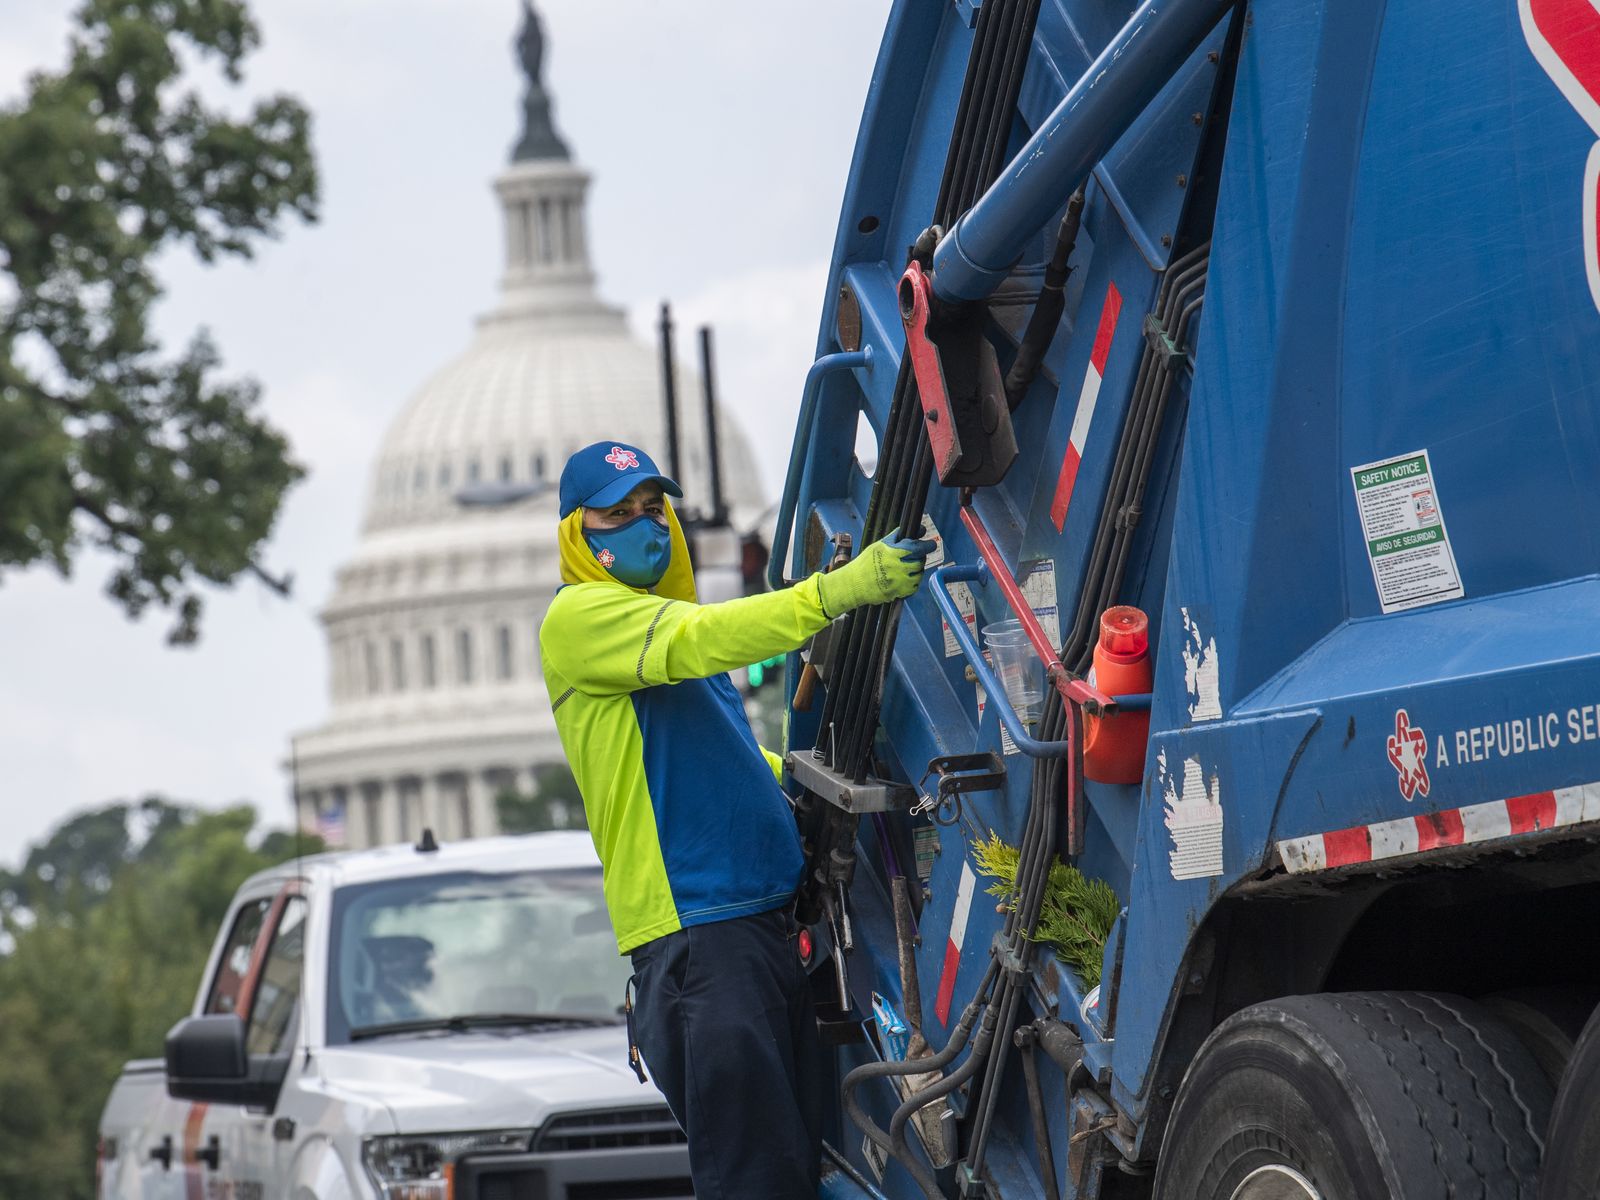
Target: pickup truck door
[(177, 1162), (221, 1146), (260, 1149)]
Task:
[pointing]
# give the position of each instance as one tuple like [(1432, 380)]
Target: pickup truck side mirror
[(207, 1063)]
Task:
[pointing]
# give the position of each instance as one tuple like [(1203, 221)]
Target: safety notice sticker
[(1403, 527)]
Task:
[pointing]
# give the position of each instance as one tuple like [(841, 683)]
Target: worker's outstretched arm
[(605, 639)]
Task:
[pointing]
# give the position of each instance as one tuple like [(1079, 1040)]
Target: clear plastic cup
[(1017, 664)]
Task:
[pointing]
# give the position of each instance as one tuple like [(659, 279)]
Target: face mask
[(636, 552)]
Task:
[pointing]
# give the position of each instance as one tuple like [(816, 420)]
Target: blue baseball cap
[(599, 475)]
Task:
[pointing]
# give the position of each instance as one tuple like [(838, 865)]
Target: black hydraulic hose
[(997, 153), (1043, 810), (1078, 648), (994, 77), (1132, 509), (989, 98), (984, 119), (990, 1093), (1047, 309), (960, 130), (906, 1066), (1080, 640), (1124, 506), (920, 1100), (1035, 855)]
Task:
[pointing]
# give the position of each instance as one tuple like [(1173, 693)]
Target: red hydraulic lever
[(915, 290), (1063, 680)]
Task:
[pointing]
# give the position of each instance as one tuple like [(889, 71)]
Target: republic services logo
[(623, 460), (606, 558), (1408, 754)]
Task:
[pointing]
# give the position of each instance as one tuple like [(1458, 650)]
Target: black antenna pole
[(669, 391), (708, 371), (294, 804)]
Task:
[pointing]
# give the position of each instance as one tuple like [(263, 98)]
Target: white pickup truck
[(403, 1024)]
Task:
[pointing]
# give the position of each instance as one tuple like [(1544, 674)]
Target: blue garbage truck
[(1220, 818)]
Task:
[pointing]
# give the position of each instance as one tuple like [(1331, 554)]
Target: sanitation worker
[(699, 845)]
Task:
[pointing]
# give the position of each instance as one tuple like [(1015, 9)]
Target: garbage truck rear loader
[(1220, 818)]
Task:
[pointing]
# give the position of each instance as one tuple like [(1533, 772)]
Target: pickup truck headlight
[(422, 1166)]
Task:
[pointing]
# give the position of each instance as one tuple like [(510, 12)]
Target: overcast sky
[(719, 135)]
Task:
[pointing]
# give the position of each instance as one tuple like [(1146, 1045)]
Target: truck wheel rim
[(1275, 1182)]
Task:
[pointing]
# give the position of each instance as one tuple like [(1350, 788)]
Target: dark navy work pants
[(723, 1018)]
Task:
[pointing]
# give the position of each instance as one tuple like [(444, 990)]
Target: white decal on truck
[(1200, 677), (1194, 818)]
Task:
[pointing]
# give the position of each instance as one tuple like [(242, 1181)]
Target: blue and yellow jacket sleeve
[(608, 639)]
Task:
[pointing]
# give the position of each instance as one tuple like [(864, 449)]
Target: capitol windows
[(505, 469), (463, 656), (444, 475), (419, 480), (397, 663), (538, 467), (502, 656), (474, 471), (430, 676), (374, 684)]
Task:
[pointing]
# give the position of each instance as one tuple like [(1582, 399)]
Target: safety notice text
[(1403, 528)]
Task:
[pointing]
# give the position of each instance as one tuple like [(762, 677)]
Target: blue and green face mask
[(636, 552)]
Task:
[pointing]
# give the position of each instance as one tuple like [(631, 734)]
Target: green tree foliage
[(103, 441), (77, 863), (96, 972), (556, 803), (1076, 916)]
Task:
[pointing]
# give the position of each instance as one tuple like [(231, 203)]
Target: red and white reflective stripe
[(1086, 402), (1450, 827), (952, 947)]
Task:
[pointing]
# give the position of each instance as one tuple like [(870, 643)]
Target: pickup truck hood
[(489, 1079)]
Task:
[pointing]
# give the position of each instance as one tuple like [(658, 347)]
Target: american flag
[(329, 824)]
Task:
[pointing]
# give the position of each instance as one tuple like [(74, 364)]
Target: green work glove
[(884, 571)]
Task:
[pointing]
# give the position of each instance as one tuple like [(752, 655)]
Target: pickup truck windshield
[(472, 951)]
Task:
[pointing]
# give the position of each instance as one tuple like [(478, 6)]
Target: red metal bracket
[(1072, 688), (916, 291)]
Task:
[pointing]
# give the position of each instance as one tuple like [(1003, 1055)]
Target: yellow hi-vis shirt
[(684, 806)]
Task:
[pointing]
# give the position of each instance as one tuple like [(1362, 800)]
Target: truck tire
[(1572, 1163), (1548, 1020), (1350, 1096)]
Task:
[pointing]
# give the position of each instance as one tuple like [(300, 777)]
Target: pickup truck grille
[(613, 1154), (610, 1130)]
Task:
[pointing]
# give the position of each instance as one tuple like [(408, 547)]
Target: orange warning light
[(1114, 746)]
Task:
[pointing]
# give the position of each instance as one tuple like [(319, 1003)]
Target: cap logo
[(606, 558), (623, 460)]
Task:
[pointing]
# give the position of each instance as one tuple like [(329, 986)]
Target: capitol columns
[(480, 804)]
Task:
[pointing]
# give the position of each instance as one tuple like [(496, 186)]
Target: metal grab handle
[(826, 365), (979, 574)]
